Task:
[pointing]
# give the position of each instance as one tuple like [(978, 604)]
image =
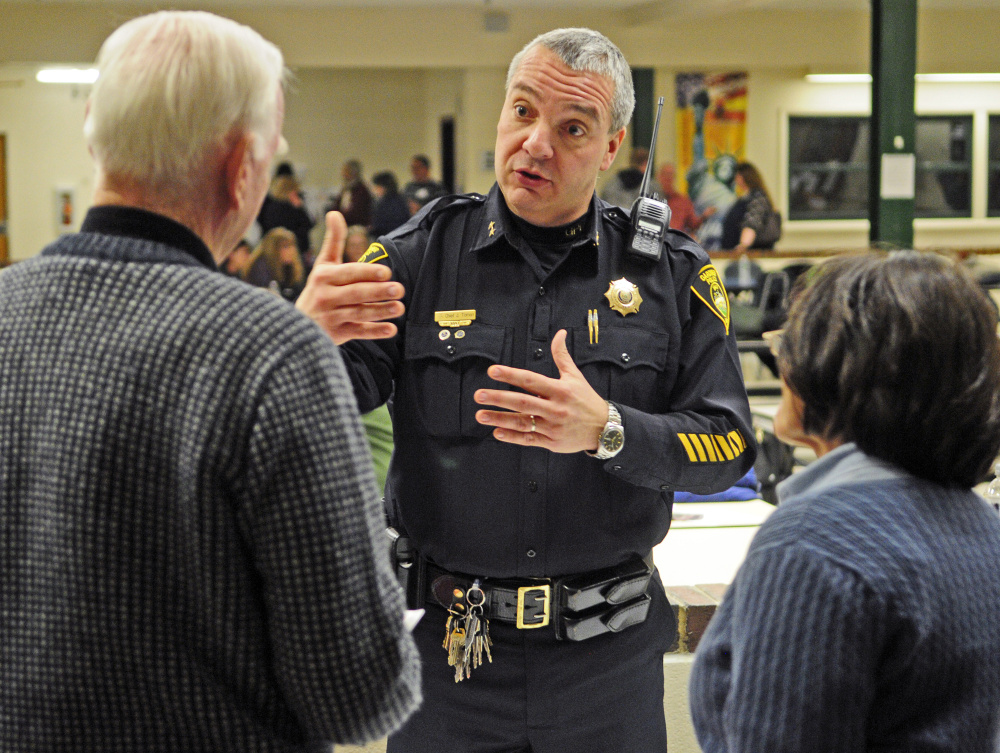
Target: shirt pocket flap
[(478, 340), (627, 347)]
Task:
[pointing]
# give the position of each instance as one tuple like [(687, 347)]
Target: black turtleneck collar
[(132, 222), (561, 235)]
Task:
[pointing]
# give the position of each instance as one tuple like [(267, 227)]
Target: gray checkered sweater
[(188, 517)]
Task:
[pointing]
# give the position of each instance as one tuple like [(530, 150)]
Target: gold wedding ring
[(532, 423)]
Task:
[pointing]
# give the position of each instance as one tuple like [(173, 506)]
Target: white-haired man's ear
[(238, 170)]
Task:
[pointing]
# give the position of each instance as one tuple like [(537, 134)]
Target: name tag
[(461, 318)]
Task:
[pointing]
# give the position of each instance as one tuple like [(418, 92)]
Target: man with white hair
[(551, 390), (191, 555)]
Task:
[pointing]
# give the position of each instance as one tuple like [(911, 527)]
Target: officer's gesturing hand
[(562, 415), (349, 301)]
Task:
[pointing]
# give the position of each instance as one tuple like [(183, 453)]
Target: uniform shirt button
[(664, 488), (616, 467), (530, 552), (626, 358), (532, 486), (451, 350), (539, 354), (541, 291)]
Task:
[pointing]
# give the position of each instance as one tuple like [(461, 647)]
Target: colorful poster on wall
[(711, 136)]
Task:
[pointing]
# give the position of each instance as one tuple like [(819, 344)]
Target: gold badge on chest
[(624, 297)]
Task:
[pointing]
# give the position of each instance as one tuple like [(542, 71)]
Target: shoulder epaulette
[(434, 209), (678, 241), (450, 203), (675, 240), (616, 216)]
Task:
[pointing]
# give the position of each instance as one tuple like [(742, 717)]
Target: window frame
[(992, 164), (966, 166)]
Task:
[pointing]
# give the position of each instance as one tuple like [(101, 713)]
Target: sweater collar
[(842, 466), (132, 222)]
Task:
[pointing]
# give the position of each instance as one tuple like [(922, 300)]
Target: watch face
[(612, 440)]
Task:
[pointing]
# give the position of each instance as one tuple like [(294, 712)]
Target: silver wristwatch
[(612, 438)]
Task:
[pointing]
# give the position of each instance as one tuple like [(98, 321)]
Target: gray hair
[(172, 87), (587, 50)]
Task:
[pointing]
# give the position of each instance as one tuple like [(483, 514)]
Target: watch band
[(612, 437)]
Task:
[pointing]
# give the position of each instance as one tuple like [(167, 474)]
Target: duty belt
[(576, 607)]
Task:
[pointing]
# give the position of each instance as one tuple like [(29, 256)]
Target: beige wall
[(45, 151), (374, 85)]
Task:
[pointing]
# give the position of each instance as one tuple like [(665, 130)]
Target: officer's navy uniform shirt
[(476, 505)]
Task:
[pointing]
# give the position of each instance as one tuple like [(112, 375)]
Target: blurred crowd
[(282, 258)]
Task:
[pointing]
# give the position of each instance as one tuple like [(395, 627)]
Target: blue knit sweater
[(866, 617), (191, 545)]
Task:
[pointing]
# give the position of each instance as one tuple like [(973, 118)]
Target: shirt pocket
[(446, 373), (624, 364)]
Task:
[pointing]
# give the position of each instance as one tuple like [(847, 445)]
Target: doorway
[(3, 200), (448, 154)]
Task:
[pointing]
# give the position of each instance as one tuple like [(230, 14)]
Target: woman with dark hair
[(753, 221), (391, 209), (866, 616)]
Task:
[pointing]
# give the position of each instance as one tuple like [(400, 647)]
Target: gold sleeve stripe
[(718, 447), (723, 446), (713, 448), (697, 446), (706, 439), (737, 441), (687, 446)]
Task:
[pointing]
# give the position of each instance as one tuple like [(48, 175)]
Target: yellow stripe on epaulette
[(713, 448)]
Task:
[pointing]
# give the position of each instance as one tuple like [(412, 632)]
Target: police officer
[(550, 392)]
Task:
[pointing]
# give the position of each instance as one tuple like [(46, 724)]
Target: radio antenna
[(652, 150)]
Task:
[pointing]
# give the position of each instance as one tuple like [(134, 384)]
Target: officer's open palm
[(562, 415), (349, 301)]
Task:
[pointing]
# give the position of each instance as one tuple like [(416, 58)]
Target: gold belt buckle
[(533, 606)]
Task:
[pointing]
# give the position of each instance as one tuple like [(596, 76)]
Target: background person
[(391, 209), (623, 189), (422, 189), (866, 616), (357, 243), (683, 216), (354, 200), (235, 265), (276, 265), (283, 207), (188, 505), (510, 469), (752, 222)]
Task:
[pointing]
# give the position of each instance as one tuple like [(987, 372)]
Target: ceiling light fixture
[(865, 78), (67, 75), (839, 78), (966, 78)]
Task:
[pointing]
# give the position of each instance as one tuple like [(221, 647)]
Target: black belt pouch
[(613, 585)]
